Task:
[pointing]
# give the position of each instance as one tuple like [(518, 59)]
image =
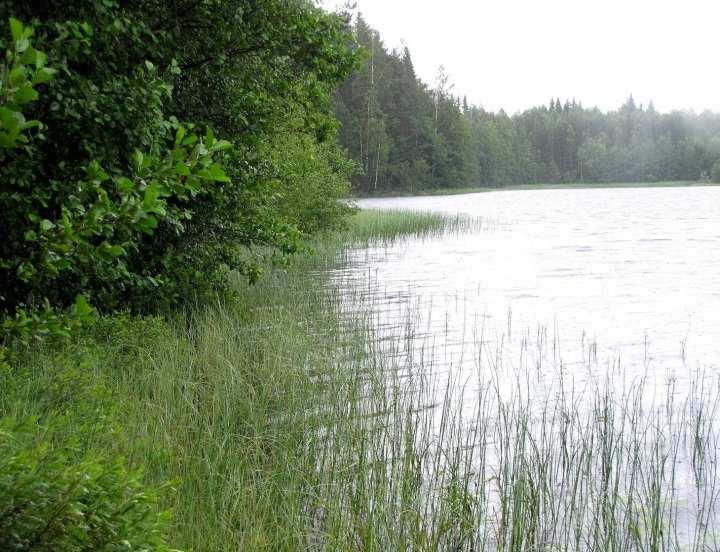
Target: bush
[(107, 195), (51, 500), (79, 237)]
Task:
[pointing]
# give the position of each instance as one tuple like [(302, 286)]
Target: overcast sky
[(514, 54)]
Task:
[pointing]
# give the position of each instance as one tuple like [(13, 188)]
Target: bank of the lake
[(539, 186), (228, 403), (289, 420)]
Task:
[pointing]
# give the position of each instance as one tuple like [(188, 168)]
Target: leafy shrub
[(79, 237), (306, 180), (51, 500), (107, 195)]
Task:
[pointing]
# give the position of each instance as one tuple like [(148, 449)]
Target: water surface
[(558, 299), (629, 277)]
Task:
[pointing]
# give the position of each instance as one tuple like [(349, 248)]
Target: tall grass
[(290, 423), (387, 225)]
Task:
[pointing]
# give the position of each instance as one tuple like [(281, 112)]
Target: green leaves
[(214, 173), (25, 94), (46, 225), (25, 68), (20, 35), (43, 75), (53, 497), (221, 145), (101, 221), (16, 30), (179, 135), (81, 308), (122, 203)]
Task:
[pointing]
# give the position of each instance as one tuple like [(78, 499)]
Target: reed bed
[(291, 423), (385, 226)]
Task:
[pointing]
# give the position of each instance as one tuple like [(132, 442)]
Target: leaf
[(17, 76), (26, 94), (221, 145), (46, 225), (43, 75), (148, 224), (190, 140), (124, 184), (114, 250), (138, 159), (22, 45), (16, 29), (218, 174), (11, 119), (40, 59), (96, 172), (182, 169), (30, 56), (31, 124), (179, 135), (82, 308)]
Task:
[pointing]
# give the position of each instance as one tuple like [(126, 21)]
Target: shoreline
[(526, 187), (278, 421)]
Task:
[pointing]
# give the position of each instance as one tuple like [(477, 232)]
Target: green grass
[(227, 398), (369, 227), (385, 226), (541, 186), (290, 425)]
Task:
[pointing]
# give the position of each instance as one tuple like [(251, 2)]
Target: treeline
[(407, 135)]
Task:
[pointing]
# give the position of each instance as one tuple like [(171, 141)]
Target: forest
[(179, 371), (408, 135)]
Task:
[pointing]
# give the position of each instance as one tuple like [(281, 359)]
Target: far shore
[(549, 186)]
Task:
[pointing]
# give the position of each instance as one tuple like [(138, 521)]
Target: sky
[(515, 54)]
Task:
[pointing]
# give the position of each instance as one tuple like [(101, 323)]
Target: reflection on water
[(569, 304), (628, 276)]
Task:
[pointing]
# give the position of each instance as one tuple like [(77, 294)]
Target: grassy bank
[(224, 399), (548, 186), (288, 423)]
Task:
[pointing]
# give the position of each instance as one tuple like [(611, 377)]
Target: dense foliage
[(408, 136), (51, 499), (118, 191)]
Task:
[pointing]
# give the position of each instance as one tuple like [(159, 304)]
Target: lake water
[(629, 276), (556, 298)]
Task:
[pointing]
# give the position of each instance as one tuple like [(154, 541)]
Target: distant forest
[(407, 135)]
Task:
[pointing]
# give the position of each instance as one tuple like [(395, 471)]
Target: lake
[(565, 338), (630, 275)]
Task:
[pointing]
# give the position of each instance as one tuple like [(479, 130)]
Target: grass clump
[(369, 225), (379, 227)]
